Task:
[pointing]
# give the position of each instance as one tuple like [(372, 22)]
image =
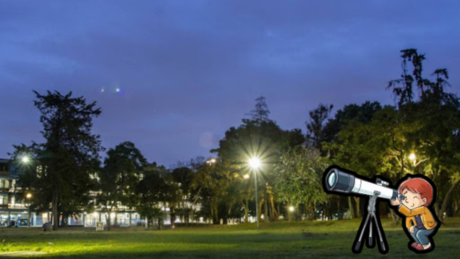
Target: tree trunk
[(229, 210), (358, 211), (457, 210), (260, 209), (306, 210), (273, 213), (246, 210), (278, 209), (350, 206), (313, 210), (116, 219), (446, 200), (107, 217), (159, 223), (55, 211), (394, 216), (266, 217), (173, 217), (437, 210)]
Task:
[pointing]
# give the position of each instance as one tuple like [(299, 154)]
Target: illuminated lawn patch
[(332, 239)]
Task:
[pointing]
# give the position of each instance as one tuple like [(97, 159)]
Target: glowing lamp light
[(291, 208), (412, 157), (29, 195), (254, 162), (25, 159)]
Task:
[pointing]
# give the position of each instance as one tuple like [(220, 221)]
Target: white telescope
[(338, 181)]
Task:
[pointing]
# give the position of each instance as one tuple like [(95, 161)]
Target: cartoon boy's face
[(413, 199)]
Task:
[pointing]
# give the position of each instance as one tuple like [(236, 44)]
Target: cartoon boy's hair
[(418, 185)]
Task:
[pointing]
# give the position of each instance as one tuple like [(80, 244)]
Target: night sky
[(189, 70)]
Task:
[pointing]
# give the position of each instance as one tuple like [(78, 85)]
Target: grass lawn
[(327, 239)]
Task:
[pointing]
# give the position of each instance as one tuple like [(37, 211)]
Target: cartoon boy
[(420, 222)]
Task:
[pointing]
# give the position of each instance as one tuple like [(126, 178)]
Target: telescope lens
[(331, 180)]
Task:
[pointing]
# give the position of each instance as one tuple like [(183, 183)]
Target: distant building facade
[(14, 210)]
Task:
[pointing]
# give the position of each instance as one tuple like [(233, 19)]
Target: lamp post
[(28, 197), (291, 210), (255, 164), (412, 158), (26, 160)]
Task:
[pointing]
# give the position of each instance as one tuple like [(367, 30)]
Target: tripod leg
[(359, 242), (370, 241), (382, 242)]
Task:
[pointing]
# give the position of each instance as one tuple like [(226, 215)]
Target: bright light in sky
[(118, 89), (102, 90)]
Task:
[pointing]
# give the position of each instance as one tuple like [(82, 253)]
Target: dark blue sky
[(189, 70)]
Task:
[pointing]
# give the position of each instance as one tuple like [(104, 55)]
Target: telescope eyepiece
[(382, 182)]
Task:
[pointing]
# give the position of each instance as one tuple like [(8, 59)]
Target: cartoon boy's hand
[(412, 229), (395, 202)]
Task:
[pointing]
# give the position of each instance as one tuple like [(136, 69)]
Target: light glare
[(254, 162), (25, 159)]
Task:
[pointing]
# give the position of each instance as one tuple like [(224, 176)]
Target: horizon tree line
[(369, 139)]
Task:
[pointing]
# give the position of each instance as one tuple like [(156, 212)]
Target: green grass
[(327, 239)]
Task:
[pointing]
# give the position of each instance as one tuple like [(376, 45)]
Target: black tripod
[(368, 225)]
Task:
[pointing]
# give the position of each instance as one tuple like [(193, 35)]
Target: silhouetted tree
[(69, 155)]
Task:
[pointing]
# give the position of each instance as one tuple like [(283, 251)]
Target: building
[(14, 208)]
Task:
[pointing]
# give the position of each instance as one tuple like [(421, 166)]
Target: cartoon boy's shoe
[(419, 247), (414, 245)]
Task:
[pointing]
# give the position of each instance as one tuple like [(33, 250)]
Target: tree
[(183, 176), (154, 192), (119, 178), (261, 138), (436, 114), (210, 183), (348, 142), (316, 134), (298, 178), (261, 111), (69, 155)]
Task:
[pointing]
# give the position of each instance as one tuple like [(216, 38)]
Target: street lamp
[(28, 197), (211, 161), (291, 210), (25, 159), (412, 157), (254, 163)]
